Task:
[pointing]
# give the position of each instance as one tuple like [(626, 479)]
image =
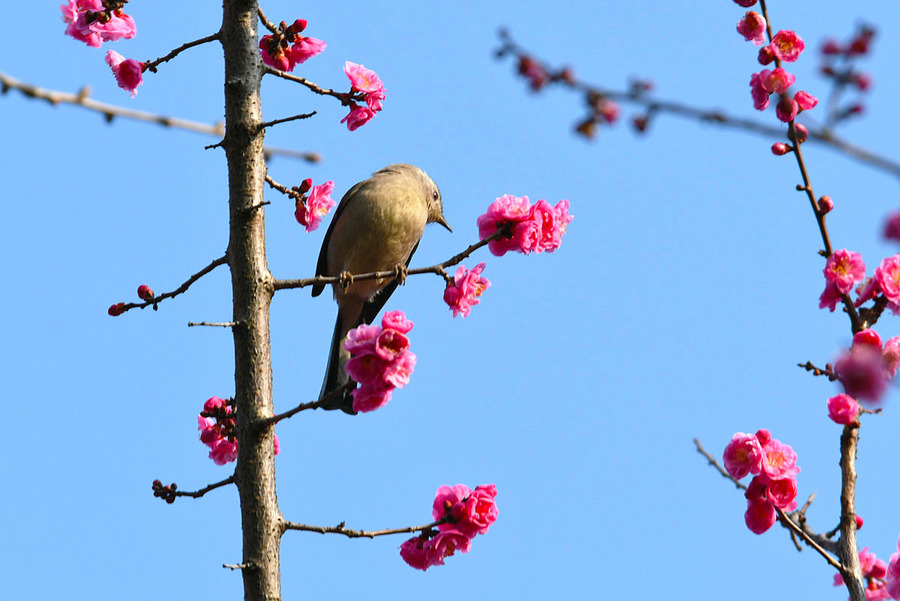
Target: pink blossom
[(390, 344), (843, 409), (753, 27), (867, 290), (466, 289), (362, 79), (779, 460), (447, 543), (396, 320), (888, 276), (381, 360), (415, 552), (758, 92), (365, 81), (782, 493), (787, 45), (760, 515), (305, 48), (893, 574), (867, 337), (477, 512), (786, 109), (223, 451), (445, 499), (844, 268), (90, 22), (743, 455), (891, 355), (862, 373), (535, 228), (892, 227), (777, 81), (319, 202), (358, 116), (805, 100), (128, 72)]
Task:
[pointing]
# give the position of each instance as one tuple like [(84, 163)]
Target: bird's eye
[(434, 194)]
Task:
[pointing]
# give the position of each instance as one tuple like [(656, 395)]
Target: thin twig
[(286, 119), (266, 23), (822, 135), (110, 111), (183, 288), (271, 421), (199, 493), (226, 324), (341, 529), (438, 269), (152, 65), (344, 97)]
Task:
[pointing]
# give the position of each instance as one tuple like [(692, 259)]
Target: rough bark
[(252, 291), (847, 544)]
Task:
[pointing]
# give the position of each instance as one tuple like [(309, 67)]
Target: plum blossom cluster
[(465, 290), (879, 584), (286, 48), (864, 371), (311, 208), (380, 360), (838, 65), (774, 468), (785, 46), (463, 513), (366, 82), (96, 21), (532, 228), (218, 430)]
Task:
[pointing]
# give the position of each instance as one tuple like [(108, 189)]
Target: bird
[(377, 227)]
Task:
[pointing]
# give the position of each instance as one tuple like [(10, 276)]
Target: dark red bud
[(305, 185), (825, 205), (117, 309), (299, 25), (766, 56), (859, 522), (144, 292)]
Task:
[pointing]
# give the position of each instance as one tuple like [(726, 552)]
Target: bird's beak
[(440, 219)]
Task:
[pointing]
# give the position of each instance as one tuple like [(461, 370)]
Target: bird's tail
[(335, 374)]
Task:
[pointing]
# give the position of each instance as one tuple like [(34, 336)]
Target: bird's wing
[(322, 264), (374, 305)]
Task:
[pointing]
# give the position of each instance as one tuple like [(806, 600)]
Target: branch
[(344, 97), (340, 529), (183, 288), (110, 111), (226, 324), (823, 135), (436, 269), (152, 65), (199, 493), (271, 421), (286, 119)]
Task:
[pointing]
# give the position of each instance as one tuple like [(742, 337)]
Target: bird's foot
[(400, 272), (345, 278)]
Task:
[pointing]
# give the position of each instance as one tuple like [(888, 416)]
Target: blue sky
[(682, 298)]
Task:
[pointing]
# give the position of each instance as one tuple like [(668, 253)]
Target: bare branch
[(438, 269), (110, 111), (199, 493), (341, 529), (227, 324), (152, 65), (183, 288)]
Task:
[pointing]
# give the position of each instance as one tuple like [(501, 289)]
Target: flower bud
[(299, 25), (766, 56), (780, 148), (144, 292), (859, 522), (117, 309), (305, 186), (825, 205)]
